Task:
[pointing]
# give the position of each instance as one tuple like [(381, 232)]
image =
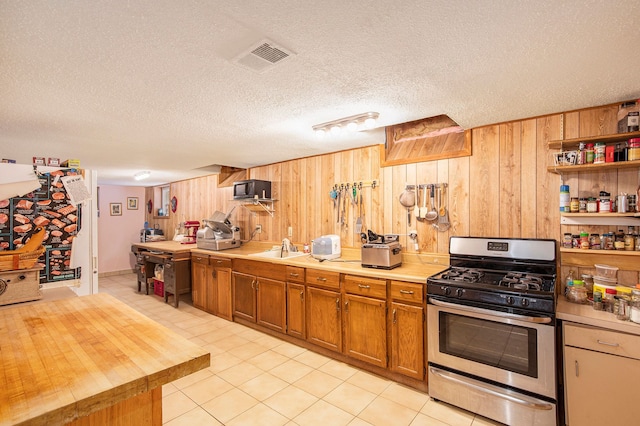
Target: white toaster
[(326, 247)]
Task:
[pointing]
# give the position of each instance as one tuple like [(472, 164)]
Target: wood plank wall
[(503, 189)]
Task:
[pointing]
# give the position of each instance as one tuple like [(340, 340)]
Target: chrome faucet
[(286, 247)]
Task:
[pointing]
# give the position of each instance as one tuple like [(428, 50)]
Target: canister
[(623, 203), (592, 205)]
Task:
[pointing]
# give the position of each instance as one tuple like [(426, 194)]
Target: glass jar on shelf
[(635, 304)]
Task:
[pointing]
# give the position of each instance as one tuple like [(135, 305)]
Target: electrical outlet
[(290, 231), (258, 229)]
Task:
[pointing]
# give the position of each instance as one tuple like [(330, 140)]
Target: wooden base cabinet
[(296, 324), (407, 329), (324, 309), (211, 285), (365, 319), (259, 294), (602, 372)]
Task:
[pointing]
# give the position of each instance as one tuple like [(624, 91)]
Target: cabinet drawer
[(200, 259), (362, 286), (220, 262), (323, 278), (601, 340), (407, 292), (295, 274)]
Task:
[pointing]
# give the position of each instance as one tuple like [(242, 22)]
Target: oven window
[(504, 346)]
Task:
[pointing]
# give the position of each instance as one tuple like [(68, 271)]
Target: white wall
[(117, 233)]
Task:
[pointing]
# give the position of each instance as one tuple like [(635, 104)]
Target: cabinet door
[(272, 299), (198, 283), (223, 307), (600, 388), (366, 329), (295, 310), (324, 326), (407, 340), (244, 296)]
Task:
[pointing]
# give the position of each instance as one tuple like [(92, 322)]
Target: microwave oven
[(251, 188)]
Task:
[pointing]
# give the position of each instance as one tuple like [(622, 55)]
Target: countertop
[(414, 268), (584, 314), (65, 359)]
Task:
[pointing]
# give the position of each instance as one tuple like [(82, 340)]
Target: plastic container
[(605, 271), (602, 288), (577, 293)]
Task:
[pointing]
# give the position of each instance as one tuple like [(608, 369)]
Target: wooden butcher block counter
[(88, 360)]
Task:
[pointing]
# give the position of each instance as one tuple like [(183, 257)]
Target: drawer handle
[(364, 286), (406, 291), (218, 262), (615, 345), (292, 274), (321, 279), (198, 258)]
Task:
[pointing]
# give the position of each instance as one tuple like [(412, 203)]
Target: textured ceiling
[(126, 86)]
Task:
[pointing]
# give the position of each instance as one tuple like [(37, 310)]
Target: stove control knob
[(524, 302), (447, 291), (459, 292), (510, 300)]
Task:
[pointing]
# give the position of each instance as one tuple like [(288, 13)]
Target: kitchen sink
[(275, 254)]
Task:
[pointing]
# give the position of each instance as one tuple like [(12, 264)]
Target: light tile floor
[(257, 379)]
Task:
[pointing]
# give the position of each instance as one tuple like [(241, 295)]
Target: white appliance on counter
[(326, 247)]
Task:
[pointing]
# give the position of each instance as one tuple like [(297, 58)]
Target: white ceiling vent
[(262, 56)]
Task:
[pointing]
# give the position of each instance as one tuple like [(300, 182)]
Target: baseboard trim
[(112, 273)]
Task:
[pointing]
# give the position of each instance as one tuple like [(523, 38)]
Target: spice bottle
[(608, 299), (599, 153), (584, 240), (618, 243), (604, 206), (629, 240), (597, 302), (575, 205)]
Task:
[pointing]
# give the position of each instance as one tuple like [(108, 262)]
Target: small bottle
[(565, 199), (567, 242), (569, 283), (605, 202), (582, 207), (599, 153), (592, 205), (584, 240), (597, 301), (589, 153), (594, 242), (608, 300), (618, 243), (582, 159), (630, 240)]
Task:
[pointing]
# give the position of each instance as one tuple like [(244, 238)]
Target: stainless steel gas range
[(491, 335)]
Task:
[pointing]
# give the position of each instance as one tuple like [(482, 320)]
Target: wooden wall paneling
[(443, 177), (547, 184), (316, 197), (374, 197), (427, 173), (345, 161), (459, 204), (362, 164), (529, 160), (510, 177), (599, 121), (397, 211), (287, 203), (484, 177), (329, 210), (571, 130)]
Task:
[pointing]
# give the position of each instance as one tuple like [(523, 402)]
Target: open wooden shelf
[(573, 143), (595, 167)]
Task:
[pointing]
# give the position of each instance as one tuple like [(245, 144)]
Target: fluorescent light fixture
[(142, 175), (353, 123)]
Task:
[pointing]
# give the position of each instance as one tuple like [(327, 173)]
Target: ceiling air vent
[(262, 56)]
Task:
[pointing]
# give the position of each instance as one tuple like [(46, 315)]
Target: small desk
[(88, 360)]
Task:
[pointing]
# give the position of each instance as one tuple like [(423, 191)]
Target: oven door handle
[(533, 403), (536, 320)]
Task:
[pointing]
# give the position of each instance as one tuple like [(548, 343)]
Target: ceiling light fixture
[(353, 123), (142, 175)]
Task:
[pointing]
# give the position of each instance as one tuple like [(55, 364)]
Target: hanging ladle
[(433, 213)]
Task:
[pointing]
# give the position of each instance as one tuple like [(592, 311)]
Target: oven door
[(507, 349)]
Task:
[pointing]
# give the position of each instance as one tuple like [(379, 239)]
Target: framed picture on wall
[(115, 209), (132, 203)]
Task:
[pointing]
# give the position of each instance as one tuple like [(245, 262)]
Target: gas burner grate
[(521, 281), (463, 275)]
